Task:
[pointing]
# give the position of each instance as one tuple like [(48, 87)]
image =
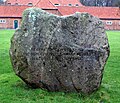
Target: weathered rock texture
[(65, 53)]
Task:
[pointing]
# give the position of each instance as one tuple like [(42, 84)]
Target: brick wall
[(112, 24), (9, 23)]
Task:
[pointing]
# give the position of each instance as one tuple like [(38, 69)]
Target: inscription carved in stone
[(66, 53)]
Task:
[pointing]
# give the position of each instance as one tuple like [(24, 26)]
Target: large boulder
[(60, 53)]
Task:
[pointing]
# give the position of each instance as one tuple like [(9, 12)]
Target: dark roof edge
[(110, 18)]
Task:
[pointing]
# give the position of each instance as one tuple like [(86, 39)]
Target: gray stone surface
[(56, 53)]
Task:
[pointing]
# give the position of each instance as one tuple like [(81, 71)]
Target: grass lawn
[(13, 90)]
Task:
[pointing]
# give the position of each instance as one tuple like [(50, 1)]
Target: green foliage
[(117, 3), (107, 3), (13, 90)]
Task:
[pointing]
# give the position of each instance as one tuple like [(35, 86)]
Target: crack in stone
[(74, 85)]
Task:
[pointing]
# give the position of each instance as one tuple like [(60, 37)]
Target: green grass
[(13, 90)]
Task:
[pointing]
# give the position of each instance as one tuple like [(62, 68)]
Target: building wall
[(112, 24), (9, 23)]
